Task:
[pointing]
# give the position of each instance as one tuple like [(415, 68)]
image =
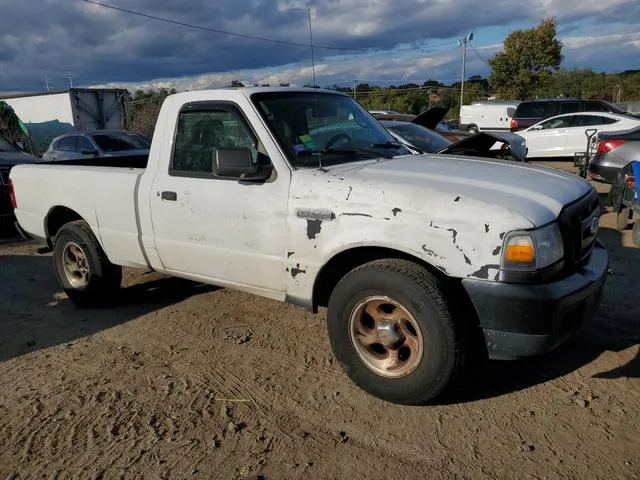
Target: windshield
[(116, 142), (319, 129), (5, 146), (426, 140)]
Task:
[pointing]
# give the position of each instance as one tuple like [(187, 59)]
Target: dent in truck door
[(218, 228)]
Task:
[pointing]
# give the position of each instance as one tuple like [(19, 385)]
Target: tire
[(623, 217), (472, 130), (94, 279), (417, 293), (635, 235)]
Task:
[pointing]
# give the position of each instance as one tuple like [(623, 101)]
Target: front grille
[(577, 222)]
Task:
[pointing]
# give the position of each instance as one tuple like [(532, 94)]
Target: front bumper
[(524, 320)]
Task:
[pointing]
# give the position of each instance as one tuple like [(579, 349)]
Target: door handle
[(170, 196)]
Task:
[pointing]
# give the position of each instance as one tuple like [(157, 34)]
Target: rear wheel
[(472, 129), (392, 332), (82, 267)]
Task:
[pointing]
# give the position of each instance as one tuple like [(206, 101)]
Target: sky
[(374, 41)]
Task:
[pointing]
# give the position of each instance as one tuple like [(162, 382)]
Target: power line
[(479, 55), (215, 30)]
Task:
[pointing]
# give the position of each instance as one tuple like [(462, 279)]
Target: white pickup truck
[(300, 195)]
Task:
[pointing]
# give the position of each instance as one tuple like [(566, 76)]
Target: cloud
[(96, 45)]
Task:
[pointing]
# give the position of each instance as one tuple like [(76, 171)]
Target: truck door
[(219, 229)]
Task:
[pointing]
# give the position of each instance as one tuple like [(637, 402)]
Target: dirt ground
[(185, 381)]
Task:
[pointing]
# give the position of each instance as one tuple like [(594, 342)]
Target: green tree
[(527, 61)]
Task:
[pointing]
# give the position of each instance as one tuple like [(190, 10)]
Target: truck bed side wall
[(102, 196)]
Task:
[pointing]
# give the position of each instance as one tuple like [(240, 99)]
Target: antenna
[(313, 63), (47, 85), (313, 69)]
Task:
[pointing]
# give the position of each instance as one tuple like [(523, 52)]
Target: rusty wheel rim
[(75, 265), (386, 336)]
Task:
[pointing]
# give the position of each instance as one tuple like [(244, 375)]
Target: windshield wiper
[(387, 145)]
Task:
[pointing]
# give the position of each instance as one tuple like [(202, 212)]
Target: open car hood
[(482, 143), (429, 118)]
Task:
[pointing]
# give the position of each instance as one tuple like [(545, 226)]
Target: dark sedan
[(101, 143), (419, 139)]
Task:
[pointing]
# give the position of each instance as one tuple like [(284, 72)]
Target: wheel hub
[(75, 265), (389, 334), (386, 336)]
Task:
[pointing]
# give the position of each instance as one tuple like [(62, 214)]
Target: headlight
[(533, 249)]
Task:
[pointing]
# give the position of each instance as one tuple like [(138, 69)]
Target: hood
[(15, 158), (535, 193), (480, 145), (431, 118)]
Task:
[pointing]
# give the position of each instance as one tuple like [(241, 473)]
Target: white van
[(489, 115)]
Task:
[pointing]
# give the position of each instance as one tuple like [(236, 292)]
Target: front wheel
[(83, 269), (392, 333)]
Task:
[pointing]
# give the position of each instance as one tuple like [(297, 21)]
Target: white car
[(564, 135)]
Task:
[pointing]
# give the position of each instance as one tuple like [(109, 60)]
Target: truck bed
[(130, 161), (100, 191)]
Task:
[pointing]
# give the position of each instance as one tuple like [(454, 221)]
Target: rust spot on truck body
[(313, 228)]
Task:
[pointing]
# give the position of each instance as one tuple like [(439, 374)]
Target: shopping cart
[(625, 199)]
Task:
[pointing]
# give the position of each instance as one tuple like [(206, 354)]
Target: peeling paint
[(395, 211), (486, 228), (295, 271), (497, 250), (431, 253), (387, 218), (289, 254), (466, 259), (457, 199), (502, 235), (313, 228), (349, 193), (484, 271), (356, 214)]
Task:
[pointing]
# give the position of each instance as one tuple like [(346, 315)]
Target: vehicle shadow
[(35, 314), (615, 327)]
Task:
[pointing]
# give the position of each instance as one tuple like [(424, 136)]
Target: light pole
[(463, 43)]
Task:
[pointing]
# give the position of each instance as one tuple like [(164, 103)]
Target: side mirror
[(89, 151), (20, 145), (237, 163)]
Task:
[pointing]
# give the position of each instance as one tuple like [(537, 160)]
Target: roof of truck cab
[(251, 90)]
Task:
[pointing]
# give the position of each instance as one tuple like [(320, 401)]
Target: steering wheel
[(336, 138)]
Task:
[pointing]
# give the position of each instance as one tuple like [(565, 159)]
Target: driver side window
[(203, 128)]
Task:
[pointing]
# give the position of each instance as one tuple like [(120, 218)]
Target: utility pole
[(355, 95), (463, 43), (47, 85), (70, 81)]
